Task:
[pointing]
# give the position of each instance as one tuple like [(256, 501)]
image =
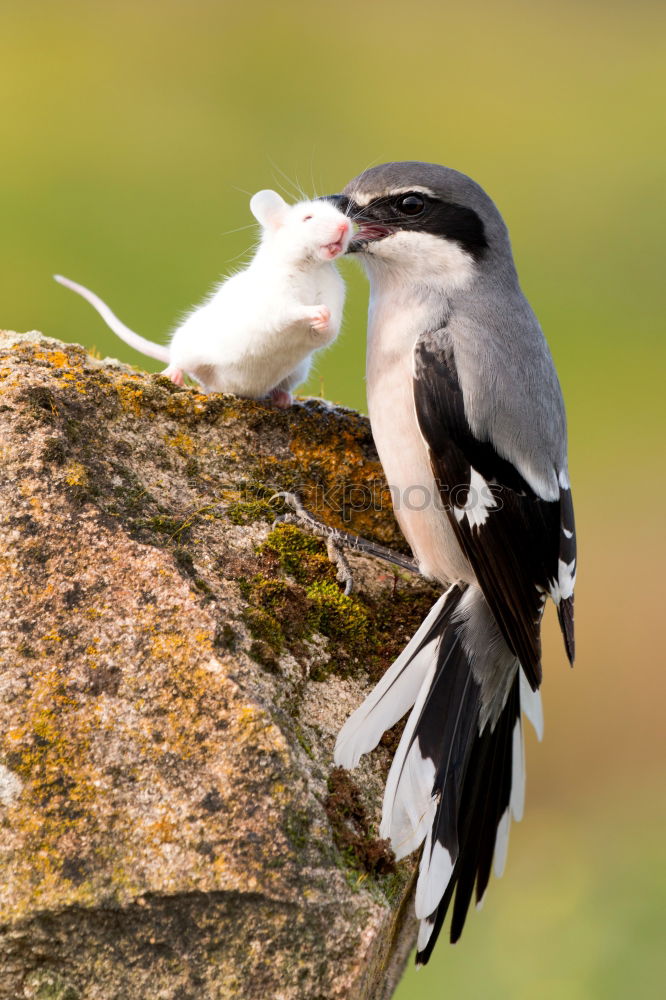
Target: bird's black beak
[(349, 208)]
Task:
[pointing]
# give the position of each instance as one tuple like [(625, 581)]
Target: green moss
[(47, 985), (392, 883), (131, 498), (300, 555), (365, 632), (278, 611), (254, 503), (297, 827), (343, 619), (265, 627), (300, 736), (247, 513)]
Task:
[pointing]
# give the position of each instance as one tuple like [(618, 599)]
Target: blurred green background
[(131, 135)]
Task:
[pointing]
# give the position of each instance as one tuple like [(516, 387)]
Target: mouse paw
[(175, 374), (281, 398), (320, 318)]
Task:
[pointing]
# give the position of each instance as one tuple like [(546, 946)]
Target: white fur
[(392, 697), (258, 330)]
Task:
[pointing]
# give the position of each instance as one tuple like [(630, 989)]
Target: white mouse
[(256, 333)]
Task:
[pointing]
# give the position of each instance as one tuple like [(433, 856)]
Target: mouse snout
[(340, 233)]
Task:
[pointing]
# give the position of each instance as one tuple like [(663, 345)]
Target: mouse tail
[(147, 347)]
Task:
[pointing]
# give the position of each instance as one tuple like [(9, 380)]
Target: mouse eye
[(411, 204), (306, 218)]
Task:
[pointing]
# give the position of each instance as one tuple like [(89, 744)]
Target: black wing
[(520, 546)]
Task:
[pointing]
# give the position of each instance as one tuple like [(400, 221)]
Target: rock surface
[(174, 671)]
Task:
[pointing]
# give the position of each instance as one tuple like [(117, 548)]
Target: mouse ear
[(269, 209)]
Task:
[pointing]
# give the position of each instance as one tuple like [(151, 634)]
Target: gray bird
[(468, 419)]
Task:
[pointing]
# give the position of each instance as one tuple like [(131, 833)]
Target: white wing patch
[(479, 501), (563, 587)]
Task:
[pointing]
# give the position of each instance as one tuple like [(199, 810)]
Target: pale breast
[(392, 332)]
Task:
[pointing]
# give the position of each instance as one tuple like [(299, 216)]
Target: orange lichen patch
[(130, 396), (161, 831), (183, 443), (349, 490), (56, 358), (186, 404)]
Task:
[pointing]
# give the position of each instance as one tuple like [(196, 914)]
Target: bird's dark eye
[(411, 204)]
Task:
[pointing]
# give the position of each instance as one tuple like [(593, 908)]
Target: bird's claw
[(335, 540)]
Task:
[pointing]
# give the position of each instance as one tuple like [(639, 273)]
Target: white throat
[(416, 261)]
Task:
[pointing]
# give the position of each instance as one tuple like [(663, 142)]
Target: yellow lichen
[(182, 443), (52, 636), (76, 474), (130, 397), (56, 358)]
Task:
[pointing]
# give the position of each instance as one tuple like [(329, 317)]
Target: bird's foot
[(337, 541)]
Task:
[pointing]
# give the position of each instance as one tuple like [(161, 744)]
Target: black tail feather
[(565, 614), (484, 797)]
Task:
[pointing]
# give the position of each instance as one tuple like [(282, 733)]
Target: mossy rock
[(175, 670)]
